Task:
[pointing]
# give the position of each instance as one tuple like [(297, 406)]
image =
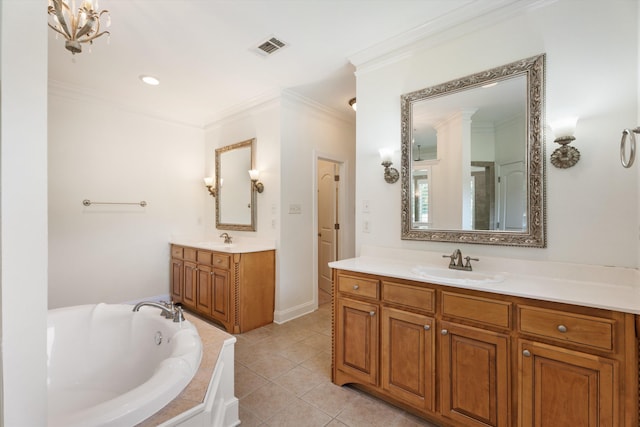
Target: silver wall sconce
[(254, 174), (208, 182), (566, 156), (391, 175)]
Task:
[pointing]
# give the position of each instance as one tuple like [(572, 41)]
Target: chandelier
[(77, 26)]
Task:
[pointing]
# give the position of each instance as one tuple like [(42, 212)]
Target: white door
[(513, 206), (327, 220)]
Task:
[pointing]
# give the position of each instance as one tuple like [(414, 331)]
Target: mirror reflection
[(235, 202), (472, 158)]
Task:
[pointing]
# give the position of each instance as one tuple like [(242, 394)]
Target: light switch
[(295, 209)]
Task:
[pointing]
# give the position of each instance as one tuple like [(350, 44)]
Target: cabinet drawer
[(204, 257), (481, 310), (567, 327), (176, 251), (221, 261), (411, 296), (190, 254), (358, 286)]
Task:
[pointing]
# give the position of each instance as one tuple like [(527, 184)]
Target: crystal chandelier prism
[(77, 26)]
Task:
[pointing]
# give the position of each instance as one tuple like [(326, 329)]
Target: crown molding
[(456, 23), (78, 94), (234, 112), (327, 111)]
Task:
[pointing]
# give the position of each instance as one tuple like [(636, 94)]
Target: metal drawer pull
[(444, 332), (427, 327), (526, 353), (562, 328), (356, 287), (372, 313)]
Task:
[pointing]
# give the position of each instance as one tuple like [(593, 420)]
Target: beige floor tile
[(299, 380), (330, 398), (267, 400), (320, 363), (370, 413), (270, 365), (248, 419), (299, 413), (319, 341), (299, 353), (246, 381)]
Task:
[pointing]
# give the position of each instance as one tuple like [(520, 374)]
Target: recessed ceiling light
[(150, 80)]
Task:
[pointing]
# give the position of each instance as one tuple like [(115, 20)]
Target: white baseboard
[(283, 316)]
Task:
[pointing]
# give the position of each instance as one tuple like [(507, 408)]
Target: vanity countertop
[(611, 288), (237, 246)]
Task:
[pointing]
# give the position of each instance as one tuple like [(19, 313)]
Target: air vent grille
[(270, 46)]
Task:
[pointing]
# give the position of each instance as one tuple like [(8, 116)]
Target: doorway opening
[(328, 180)]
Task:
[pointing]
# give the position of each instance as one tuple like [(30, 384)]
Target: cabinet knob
[(372, 313), (444, 332), (427, 327), (562, 328), (356, 287), (526, 353)]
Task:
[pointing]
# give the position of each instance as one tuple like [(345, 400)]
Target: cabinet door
[(560, 387), (177, 276), (190, 280), (203, 289), (357, 340), (408, 343), (221, 294), (474, 376)]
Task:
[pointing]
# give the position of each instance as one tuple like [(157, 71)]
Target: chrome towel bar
[(87, 202)]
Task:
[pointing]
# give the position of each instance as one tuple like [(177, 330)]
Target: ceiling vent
[(270, 46)]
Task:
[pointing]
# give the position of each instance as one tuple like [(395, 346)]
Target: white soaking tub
[(110, 366)]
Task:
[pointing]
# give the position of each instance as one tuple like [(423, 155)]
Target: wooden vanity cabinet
[(468, 358), (236, 290)]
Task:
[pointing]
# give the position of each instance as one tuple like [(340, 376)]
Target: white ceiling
[(201, 50)]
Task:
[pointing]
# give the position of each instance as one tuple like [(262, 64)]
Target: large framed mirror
[(473, 158), (236, 199)]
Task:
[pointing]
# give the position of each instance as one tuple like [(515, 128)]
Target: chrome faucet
[(456, 261), (169, 310), (227, 238)]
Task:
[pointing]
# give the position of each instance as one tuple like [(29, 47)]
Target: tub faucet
[(456, 261), (170, 312), (227, 238)]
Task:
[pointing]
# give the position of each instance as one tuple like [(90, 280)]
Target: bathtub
[(109, 366)]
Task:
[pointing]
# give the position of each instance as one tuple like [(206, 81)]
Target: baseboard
[(283, 316)]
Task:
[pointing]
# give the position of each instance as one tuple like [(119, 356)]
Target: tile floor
[(283, 378)]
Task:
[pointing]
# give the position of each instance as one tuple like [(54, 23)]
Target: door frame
[(342, 198)]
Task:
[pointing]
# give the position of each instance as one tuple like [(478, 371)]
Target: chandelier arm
[(87, 27), (66, 36), (58, 5), (88, 39)]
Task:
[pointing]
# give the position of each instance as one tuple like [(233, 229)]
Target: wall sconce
[(254, 174), (208, 182), (391, 175), (565, 156), (352, 104)]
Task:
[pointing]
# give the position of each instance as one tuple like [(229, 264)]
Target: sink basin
[(460, 277)]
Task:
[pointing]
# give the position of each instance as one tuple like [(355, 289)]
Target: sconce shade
[(254, 174), (208, 181), (352, 103), (386, 154), (564, 127)]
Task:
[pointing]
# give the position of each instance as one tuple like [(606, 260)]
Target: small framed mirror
[(236, 198), (473, 158)]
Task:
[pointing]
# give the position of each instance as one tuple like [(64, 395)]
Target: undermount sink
[(457, 276)]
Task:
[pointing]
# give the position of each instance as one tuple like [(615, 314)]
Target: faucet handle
[(469, 259), (453, 258)]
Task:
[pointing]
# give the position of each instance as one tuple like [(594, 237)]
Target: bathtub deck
[(194, 394)]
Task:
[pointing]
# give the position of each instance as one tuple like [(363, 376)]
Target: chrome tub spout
[(169, 311)]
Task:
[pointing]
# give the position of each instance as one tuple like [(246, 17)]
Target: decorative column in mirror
[(473, 158), (236, 200)]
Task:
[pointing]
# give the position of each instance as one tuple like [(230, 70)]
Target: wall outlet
[(365, 206), (295, 209), (366, 226)]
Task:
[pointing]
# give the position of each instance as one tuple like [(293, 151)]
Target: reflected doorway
[(328, 225)]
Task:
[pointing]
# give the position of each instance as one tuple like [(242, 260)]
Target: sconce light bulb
[(386, 154), (254, 174), (564, 127), (208, 181)]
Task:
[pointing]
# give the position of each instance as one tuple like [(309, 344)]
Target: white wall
[(592, 211), (290, 134), (23, 212), (102, 152)]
